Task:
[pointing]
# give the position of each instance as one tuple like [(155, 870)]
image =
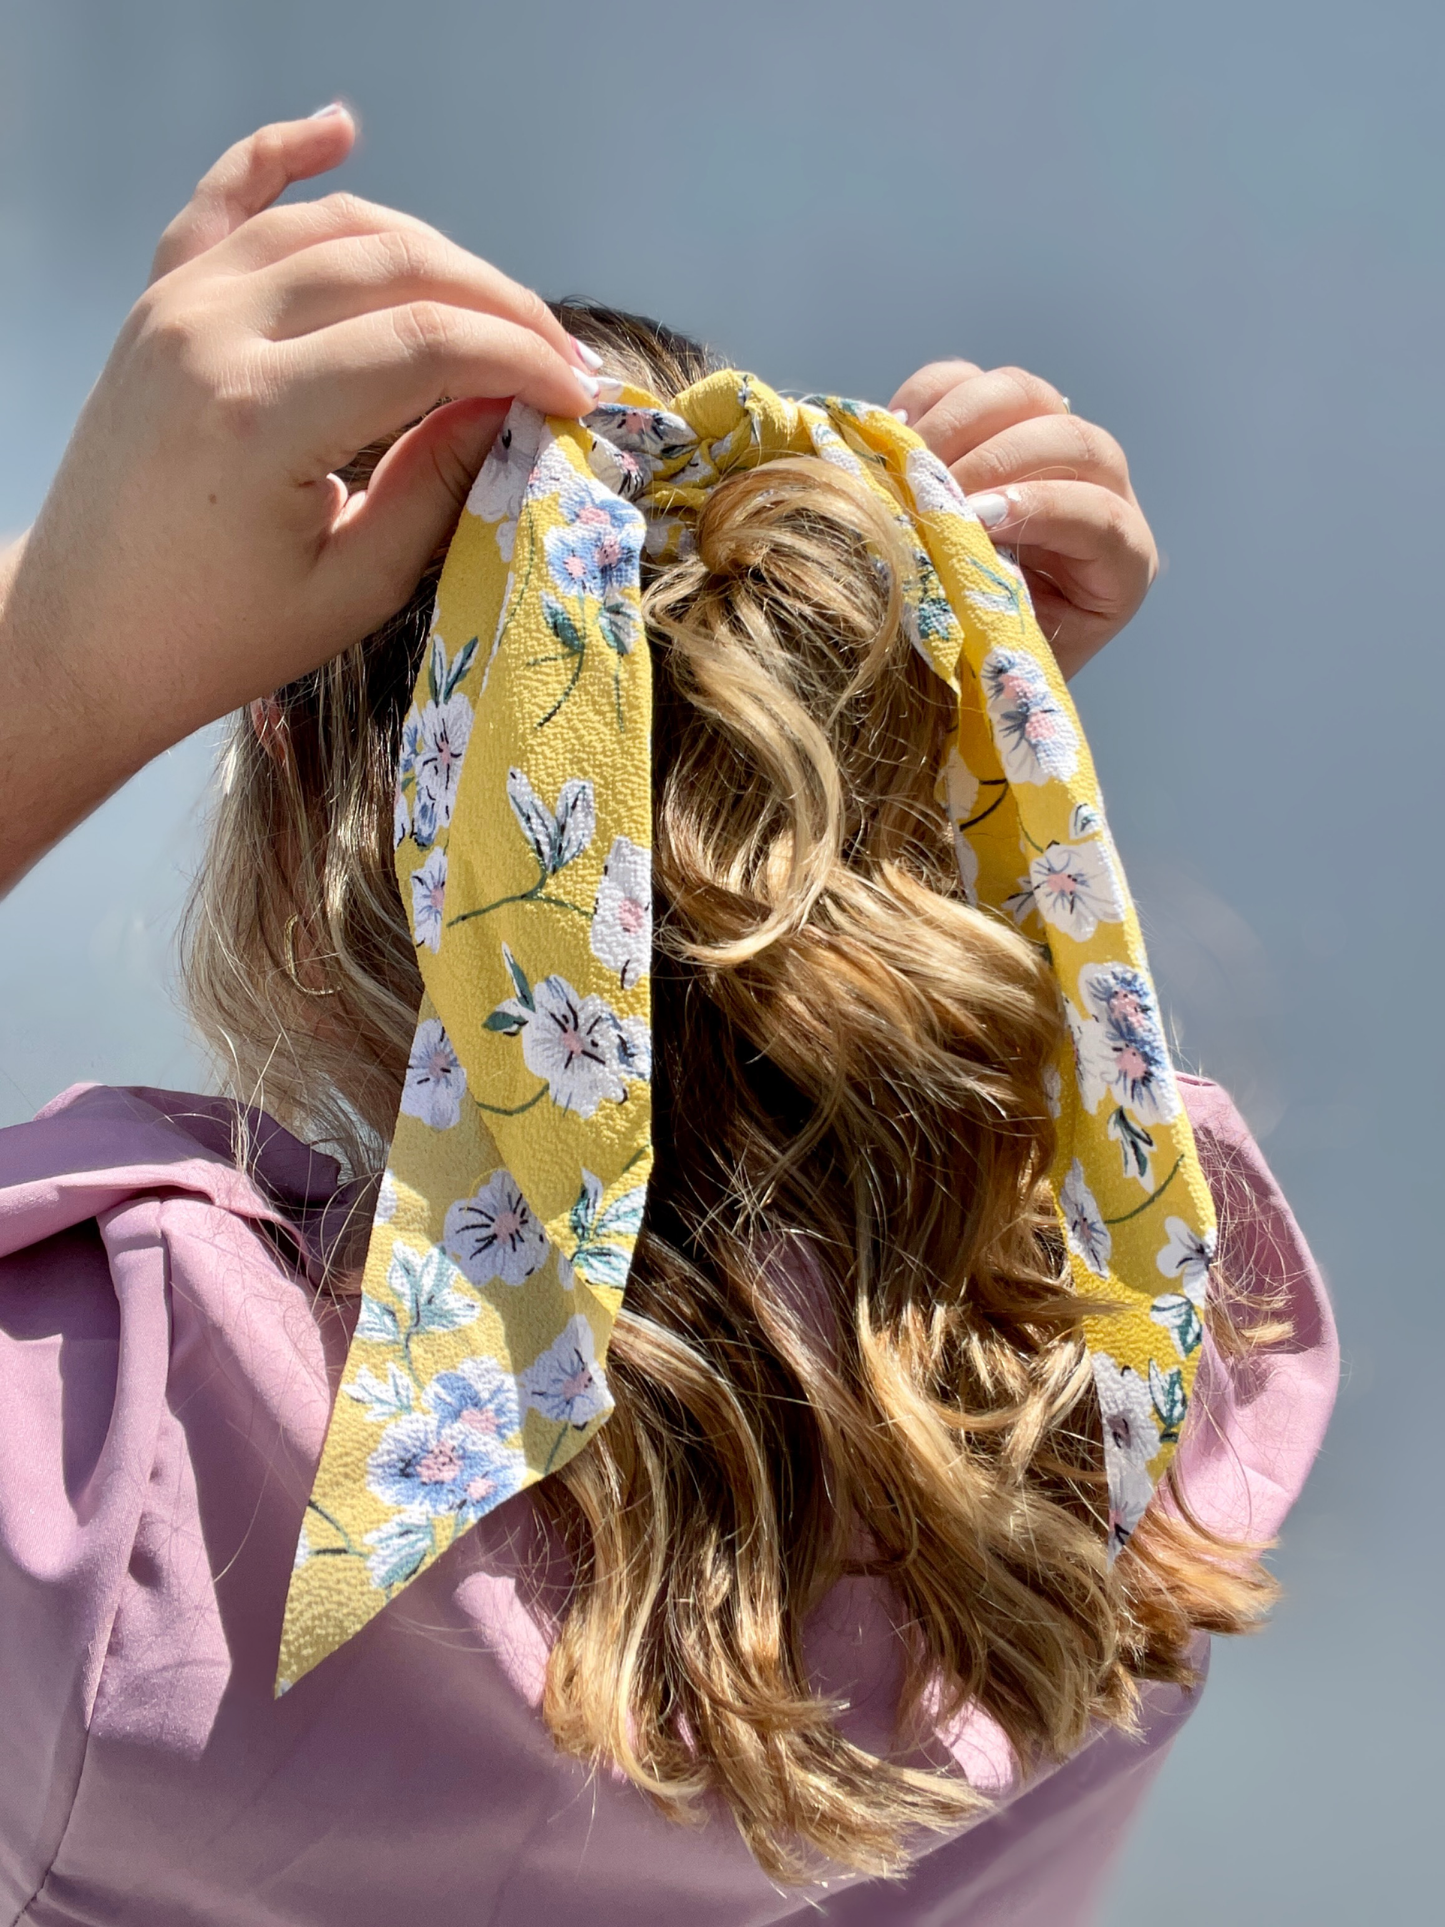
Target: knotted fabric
[(517, 1178)]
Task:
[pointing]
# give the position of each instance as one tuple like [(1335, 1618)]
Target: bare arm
[(196, 549)]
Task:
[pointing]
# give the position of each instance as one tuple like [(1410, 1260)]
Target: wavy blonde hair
[(850, 1345)]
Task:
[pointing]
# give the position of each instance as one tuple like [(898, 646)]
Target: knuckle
[(237, 408), (398, 256), (167, 332), (532, 310), (424, 329), (1123, 534), (988, 466), (1107, 453), (341, 212), (1037, 395), (265, 152)]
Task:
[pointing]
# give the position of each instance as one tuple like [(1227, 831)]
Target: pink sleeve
[(117, 1230), (1256, 1423), (84, 1382)]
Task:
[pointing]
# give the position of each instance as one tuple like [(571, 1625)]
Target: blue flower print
[(597, 553), (453, 1458), (1123, 1049), (1036, 740)]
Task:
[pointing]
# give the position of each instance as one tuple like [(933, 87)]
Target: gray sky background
[(1218, 228)]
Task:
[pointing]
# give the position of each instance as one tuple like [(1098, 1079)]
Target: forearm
[(65, 742)]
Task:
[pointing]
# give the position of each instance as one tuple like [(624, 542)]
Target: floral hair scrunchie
[(518, 1174)]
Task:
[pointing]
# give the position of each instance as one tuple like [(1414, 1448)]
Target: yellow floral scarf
[(518, 1174)]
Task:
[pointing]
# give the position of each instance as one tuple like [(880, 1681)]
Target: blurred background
[(1218, 228)]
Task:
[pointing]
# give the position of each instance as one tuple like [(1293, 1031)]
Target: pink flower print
[(440, 1466), (1036, 739)]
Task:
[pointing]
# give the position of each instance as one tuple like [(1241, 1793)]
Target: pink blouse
[(165, 1384)]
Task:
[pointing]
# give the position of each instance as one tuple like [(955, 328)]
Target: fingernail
[(331, 107), (991, 509), (899, 414), (588, 357), (608, 387)]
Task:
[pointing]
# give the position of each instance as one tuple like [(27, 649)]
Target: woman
[(834, 1578)]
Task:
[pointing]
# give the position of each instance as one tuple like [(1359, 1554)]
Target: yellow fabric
[(518, 1173)]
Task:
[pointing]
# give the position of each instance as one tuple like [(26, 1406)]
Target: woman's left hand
[(1046, 484)]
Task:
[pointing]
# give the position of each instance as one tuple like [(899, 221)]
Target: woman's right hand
[(196, 549)]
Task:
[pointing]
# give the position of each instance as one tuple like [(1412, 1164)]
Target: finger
[(1084, 537), (362, 273), (975, 410), (351, 384), (249, 176), (1049, 448), (928, 387), (386, 535), (388, 241), (277, 232)]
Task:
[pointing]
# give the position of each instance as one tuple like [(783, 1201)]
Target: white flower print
[(410, 744), (571, 1041), (1131, 1440), (501, 488), (303, 1551), (1036, 740), (1054, 1090), (958, 792), (400, 818), (1009, 593), (933, 488), (435, 1080), (1180, 1319), (634, 1049), (555, 839), (386, 1197), (446, 728), (1074, 888), (829, 446), (495, 1234), (566, 1383), (622, 916), (960, 787), (1092, 1059), (1188, 1257), (428, 897), (1089, 1237), (651, 432)]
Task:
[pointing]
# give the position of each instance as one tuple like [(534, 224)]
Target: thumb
[(386, 535)]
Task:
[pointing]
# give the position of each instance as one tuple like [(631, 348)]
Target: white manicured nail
[(991, 509), (899, 414), (331, 107), (588, 357), (608, 387)]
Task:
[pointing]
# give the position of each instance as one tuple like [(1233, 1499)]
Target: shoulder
[(158, 1334), (1259, 1412)]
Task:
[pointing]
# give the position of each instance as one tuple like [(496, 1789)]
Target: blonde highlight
[(850, 1345)]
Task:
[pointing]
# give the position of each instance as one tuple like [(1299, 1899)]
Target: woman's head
[(849, 1342)]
